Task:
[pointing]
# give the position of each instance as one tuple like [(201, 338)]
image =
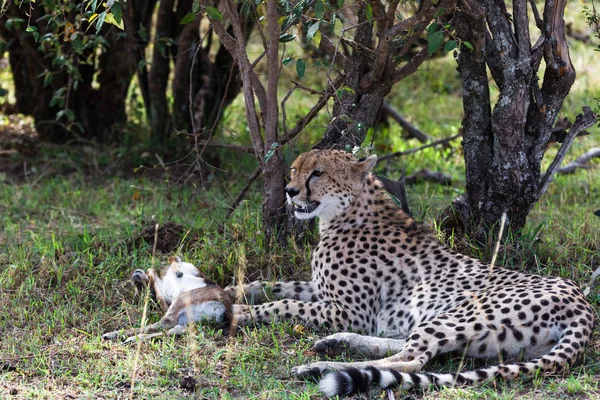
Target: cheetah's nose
[(291, 191)]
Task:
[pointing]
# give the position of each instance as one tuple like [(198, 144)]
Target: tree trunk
[(504, 145), (97, 100), (376, 64), (160, 116), (357, 109), (214, 82)]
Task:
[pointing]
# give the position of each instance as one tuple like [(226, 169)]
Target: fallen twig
[(412, 151), (412, 130), (580, 162)]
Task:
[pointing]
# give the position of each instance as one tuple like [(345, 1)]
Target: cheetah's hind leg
[(366, 346)]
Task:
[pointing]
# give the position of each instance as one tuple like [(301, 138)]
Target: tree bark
[(377, 62), (504, 144)]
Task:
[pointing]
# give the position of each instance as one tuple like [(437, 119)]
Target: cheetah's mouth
[(309, 208)]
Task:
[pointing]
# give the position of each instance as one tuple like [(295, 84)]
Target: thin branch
[(581, 161), (285, 99), (309, 90), (302, 122), (426, 175), (235, 147), (271, 118), (412, 151), (407, 126), (412, 66), (220, 110), (238, 199), (300, 125), (251, 80), (327, 45), (538, 19), (359, 47), (582, 122)]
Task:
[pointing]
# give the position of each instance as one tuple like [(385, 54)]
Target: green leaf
[(439, 12), (287, 61), (468, 45), (214, 14), (57, 100), (100, 22), (77, 44), (319, 10), (143, 34), (188, 19), (3, 92), (117, 12), (14, 21), (450, 45), (340, 4), (65, 113), (110, 19), (432, 28), (286, 37), (34, 31), (312, 30), (435, 41), (300, 67), (48, 78), (271, 151), (196, 7), (369, 12)]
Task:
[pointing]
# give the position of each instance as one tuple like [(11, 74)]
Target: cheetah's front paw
[(329, 346), (241, 314)]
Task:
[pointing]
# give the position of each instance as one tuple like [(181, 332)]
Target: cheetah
[(387, 286)]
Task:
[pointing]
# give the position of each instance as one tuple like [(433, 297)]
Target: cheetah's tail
[(353, 380)]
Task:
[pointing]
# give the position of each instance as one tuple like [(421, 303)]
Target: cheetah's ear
[(366, 165)]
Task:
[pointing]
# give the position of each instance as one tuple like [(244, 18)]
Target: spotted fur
[(377, 272)]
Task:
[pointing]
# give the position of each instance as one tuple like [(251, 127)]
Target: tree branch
[(582, 122), (252, 84), (238, 199), (407, 126), (271, 118), (302, 122), (412, 151), (581, 161), (235, 147)]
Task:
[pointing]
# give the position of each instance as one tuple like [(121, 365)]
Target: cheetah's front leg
[(259, 291), (319, 314), (366, 346)]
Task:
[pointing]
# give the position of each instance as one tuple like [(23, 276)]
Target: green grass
[(66, 254)]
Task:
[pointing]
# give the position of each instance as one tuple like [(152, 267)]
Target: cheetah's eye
[(316, 173)]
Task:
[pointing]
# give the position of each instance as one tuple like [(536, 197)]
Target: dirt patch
[(169, 237)]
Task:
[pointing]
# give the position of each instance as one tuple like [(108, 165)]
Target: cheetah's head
[(324, 182)]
